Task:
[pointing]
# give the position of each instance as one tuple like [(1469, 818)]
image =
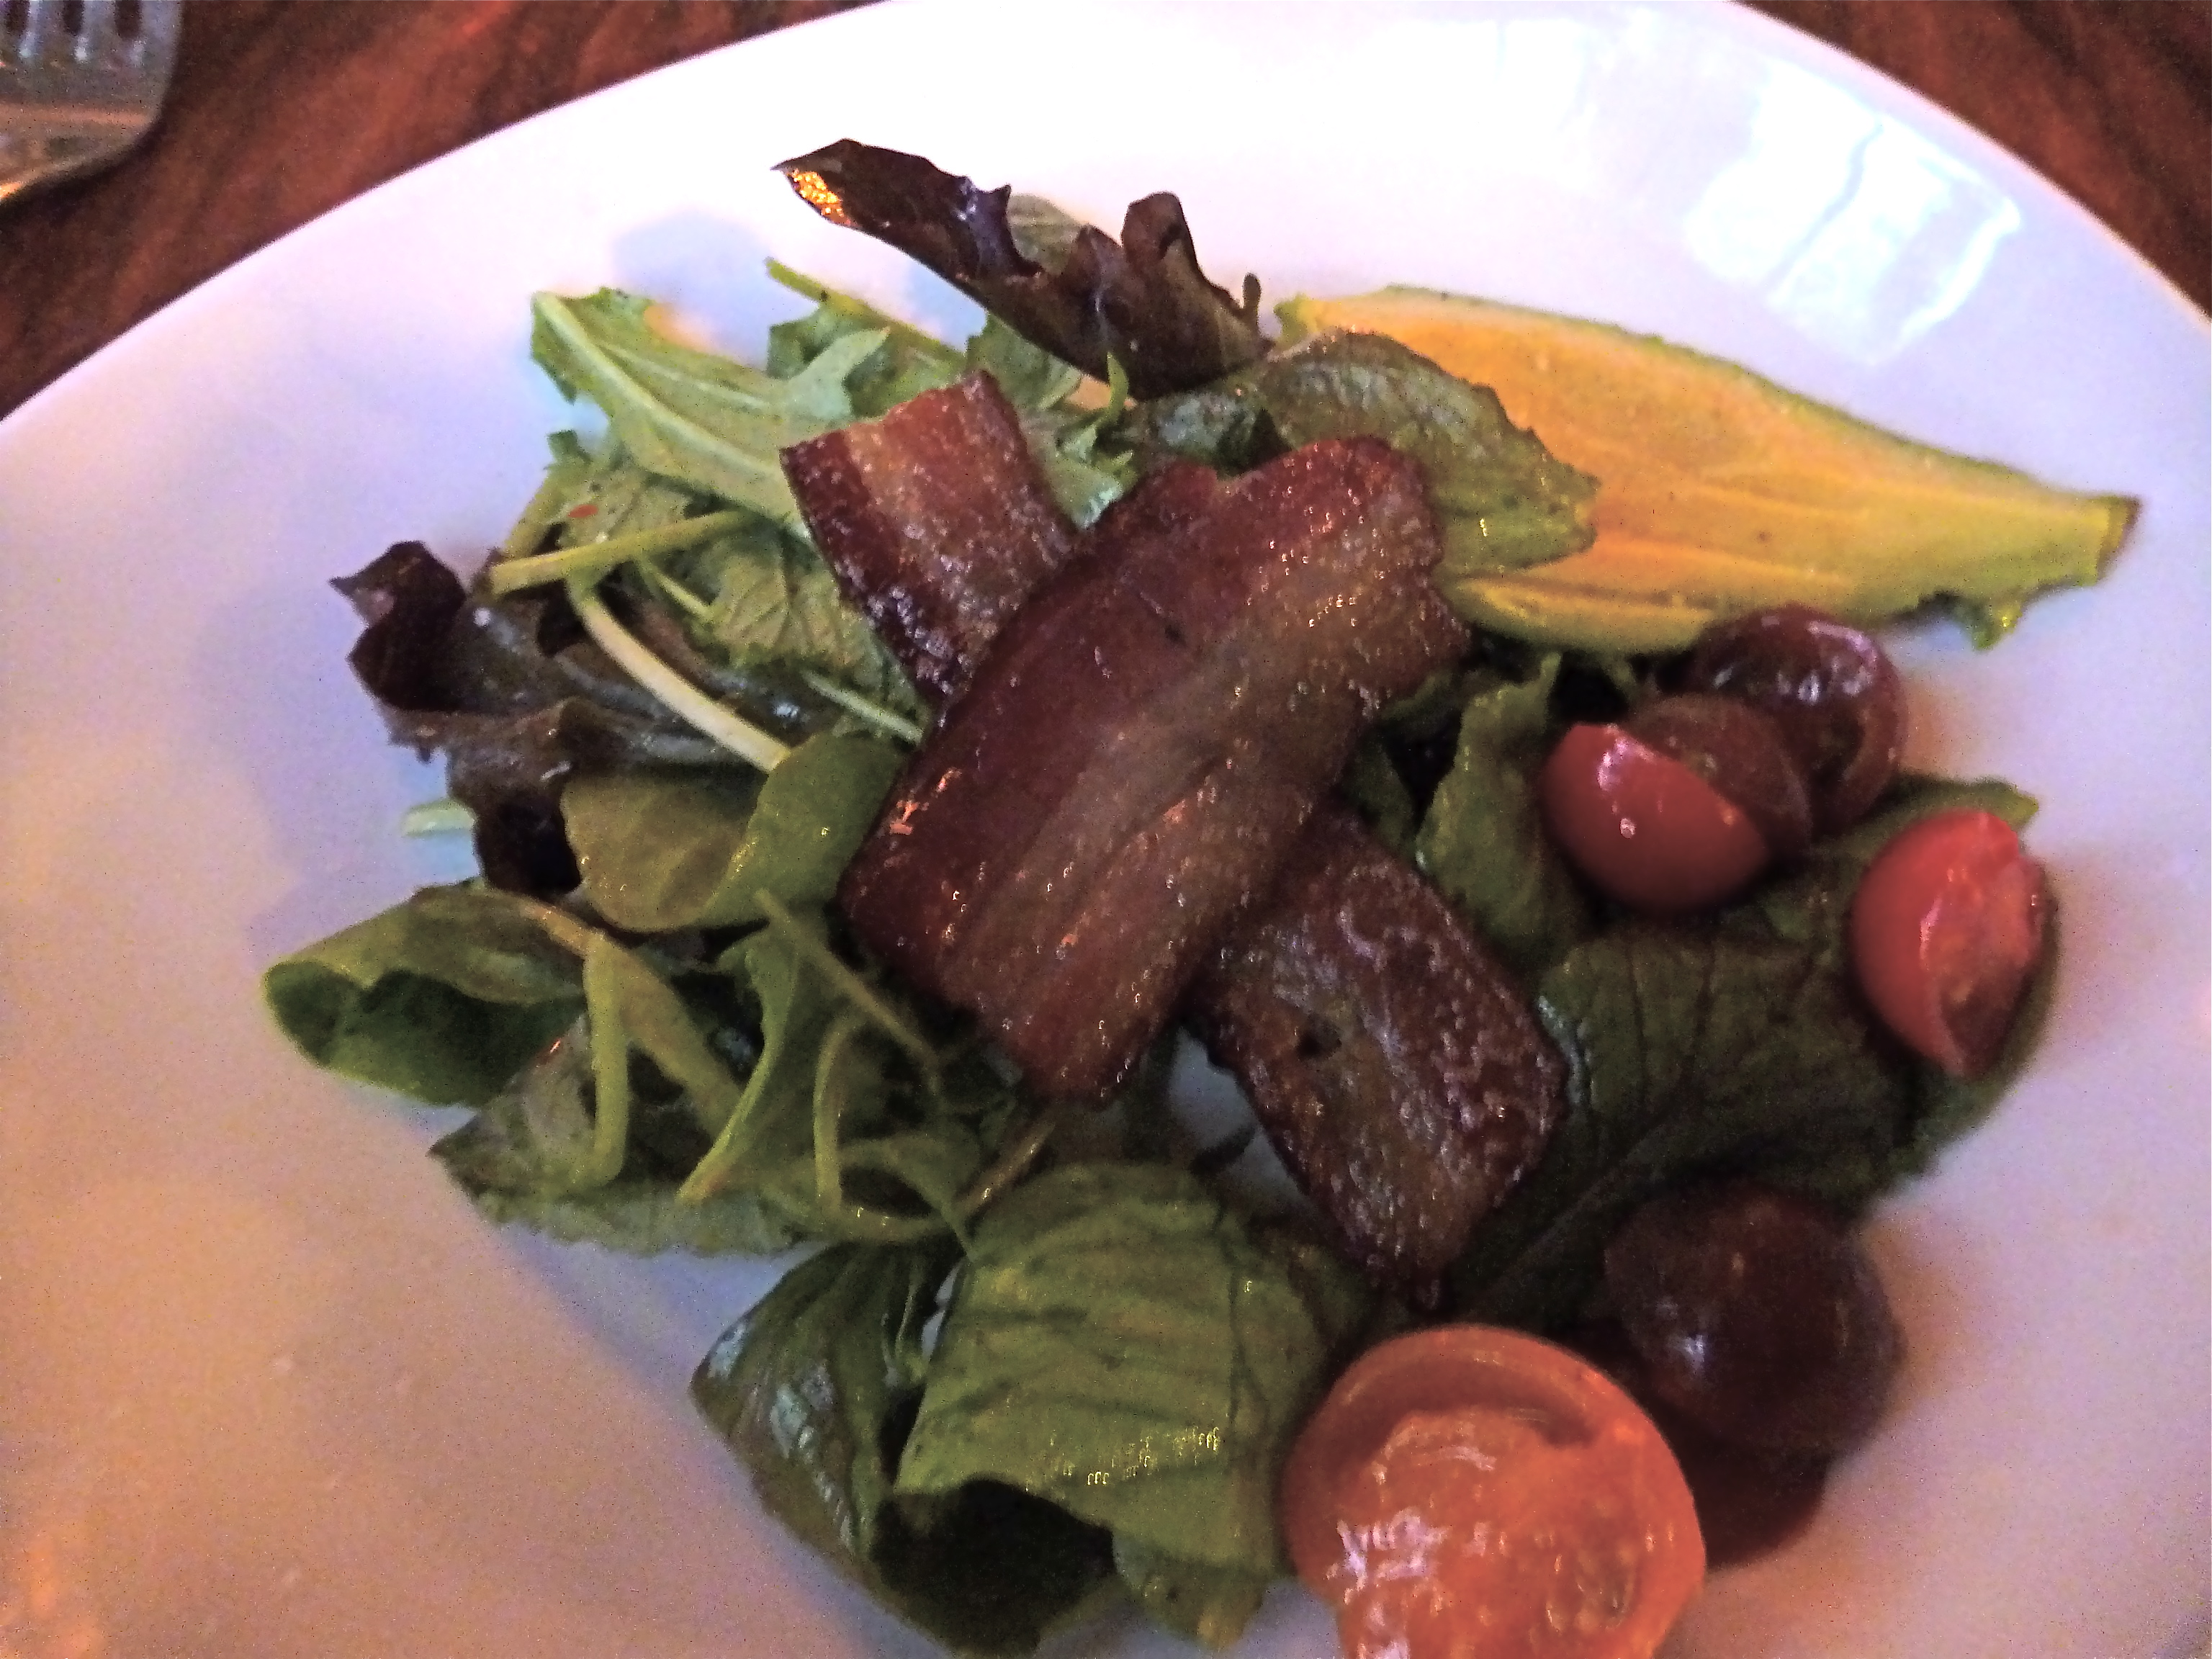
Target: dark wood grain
[(281, 109)]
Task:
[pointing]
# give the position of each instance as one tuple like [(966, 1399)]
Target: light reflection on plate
[(266, 1385)]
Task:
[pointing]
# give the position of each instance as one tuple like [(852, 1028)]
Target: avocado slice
[(1722, 493)]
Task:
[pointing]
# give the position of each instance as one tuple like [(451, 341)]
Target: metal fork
[(80, 81)]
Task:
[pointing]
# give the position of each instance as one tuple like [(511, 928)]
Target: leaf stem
[(603, 1001), (446, 817), (849, 985), (897, 726), (682, 699), (596, 559)]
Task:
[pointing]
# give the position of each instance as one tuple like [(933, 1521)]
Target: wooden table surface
[(281, 109)]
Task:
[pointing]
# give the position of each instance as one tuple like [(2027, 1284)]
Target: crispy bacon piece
[(1141, 747), (935, 520), (1397, 1069), (1393, 1062)]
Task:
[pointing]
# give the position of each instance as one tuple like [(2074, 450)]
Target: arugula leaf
[(1503, 502), (775, 602), (1483, 841), (1690, 1053), (663, 850), (1119, 1346), (814, 1391), (909, 364), (698, 418), (1030, 376), (442, 997)]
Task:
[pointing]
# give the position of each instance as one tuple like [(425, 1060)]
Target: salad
[(1046, 1356)]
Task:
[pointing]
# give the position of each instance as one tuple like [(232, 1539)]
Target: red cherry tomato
[(1466, 1490), (1646, 828), (1947, 930)]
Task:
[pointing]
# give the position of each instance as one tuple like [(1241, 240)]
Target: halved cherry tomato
[(1466, 1490), (1947, 929), (1647, 830)]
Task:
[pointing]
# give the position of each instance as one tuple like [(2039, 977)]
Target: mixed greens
[(1042, 1359)]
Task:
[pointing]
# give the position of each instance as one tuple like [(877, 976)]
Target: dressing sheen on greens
[(1036, 1365)]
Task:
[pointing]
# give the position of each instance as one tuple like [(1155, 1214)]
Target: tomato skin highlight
[(1645, 828), (1947, 929), (1468, 1490)]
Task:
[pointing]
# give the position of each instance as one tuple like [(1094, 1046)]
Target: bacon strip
[(936, 522), (1393, 1062), (1139, 750), (1396, 1067)]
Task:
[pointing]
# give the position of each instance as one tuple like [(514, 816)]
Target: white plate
[(267, 1387)]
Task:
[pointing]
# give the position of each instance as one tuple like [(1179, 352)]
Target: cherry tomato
[(1471, 1490), (1646, 828), (1947, 930), (1830, 687), (1741, 751), (1758, 1316)]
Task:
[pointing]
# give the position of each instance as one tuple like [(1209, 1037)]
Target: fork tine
[(41, 26), (42, 32)]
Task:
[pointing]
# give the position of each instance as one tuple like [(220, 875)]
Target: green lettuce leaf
[(1811, 905), (1503, 502), (663, 850), (1483, 841), (1119, 1346), (1690, 1053)]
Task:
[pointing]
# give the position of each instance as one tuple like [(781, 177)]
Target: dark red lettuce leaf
[(518, 701), (1143, 301)]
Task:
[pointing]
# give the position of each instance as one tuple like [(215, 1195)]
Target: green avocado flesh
[(1720, 493)]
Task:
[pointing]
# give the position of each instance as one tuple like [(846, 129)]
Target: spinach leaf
[(1119, 1346), (815, 1390), (1483, 841), (771, 1121), (442, 997), (1689, 1053), (807, 1388), (662, 850), (1502, 500)]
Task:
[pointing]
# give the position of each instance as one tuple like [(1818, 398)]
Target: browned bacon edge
[(936, 522), (1406, 1101)]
